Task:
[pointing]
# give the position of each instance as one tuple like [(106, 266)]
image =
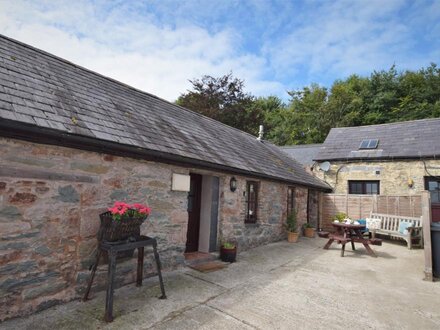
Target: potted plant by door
[(228, 252), (309, 231), (292, 228)]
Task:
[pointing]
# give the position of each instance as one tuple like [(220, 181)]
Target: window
[(251, 202), (364, 187), (433, 186), (369, 144), (290, 200)]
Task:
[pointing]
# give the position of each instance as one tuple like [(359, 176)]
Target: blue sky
[(275, 46)]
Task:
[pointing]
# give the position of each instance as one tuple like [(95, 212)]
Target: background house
[(390, 159), (72, 142), (303, 153)]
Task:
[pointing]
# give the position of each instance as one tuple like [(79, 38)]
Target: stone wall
[(50, 199), (272, 212), (393, 176)]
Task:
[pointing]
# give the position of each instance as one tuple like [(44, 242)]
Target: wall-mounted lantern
[(233, 184), (410, 183)]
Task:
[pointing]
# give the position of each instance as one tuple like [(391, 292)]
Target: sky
[(275, 45)]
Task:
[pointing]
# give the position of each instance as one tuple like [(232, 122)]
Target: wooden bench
[(341, 240), (391, 225)]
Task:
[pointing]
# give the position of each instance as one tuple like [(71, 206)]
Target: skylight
[(369, 144)]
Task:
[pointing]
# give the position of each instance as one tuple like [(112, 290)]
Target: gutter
[(36, 134), (382, 159)]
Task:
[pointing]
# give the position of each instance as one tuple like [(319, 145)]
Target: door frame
[(193, 226)]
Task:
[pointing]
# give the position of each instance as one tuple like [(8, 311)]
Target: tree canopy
[(384, 96)]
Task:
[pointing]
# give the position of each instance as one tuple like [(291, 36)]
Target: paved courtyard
[(277, 286)]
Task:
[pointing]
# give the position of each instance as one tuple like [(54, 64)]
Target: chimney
[(260, 133)]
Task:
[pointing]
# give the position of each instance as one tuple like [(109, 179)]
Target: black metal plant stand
[(112, 250)]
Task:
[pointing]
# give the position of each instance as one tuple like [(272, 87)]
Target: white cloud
[(273, 45), (131, 47), (338, 38)]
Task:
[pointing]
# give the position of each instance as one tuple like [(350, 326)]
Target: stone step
[(197, 258)]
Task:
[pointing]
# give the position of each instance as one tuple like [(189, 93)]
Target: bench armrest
[(414, 228)]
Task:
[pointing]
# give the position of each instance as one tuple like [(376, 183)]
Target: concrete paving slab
[(280, 286), (203, 317)]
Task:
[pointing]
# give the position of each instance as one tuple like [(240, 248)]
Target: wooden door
[(433, 185), (194, 202)]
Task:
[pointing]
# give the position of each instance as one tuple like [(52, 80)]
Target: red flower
[(120, 209)]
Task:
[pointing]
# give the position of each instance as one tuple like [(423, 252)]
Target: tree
[(308, 107), (384, 96), (223, 99)]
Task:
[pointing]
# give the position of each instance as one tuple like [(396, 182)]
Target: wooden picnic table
[(351, 233)]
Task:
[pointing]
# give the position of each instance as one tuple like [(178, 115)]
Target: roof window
[(369, 144)]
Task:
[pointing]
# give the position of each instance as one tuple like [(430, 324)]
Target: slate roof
[(39, 91), (402, 140), (304, 153)]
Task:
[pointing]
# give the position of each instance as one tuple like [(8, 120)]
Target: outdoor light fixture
[(233, 184)]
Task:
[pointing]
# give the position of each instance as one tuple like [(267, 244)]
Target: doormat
[(210, 266)]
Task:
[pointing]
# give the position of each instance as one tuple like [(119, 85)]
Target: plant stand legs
[(108, 316), (92, 276), (112, 250), (159, 272), (140, 267)]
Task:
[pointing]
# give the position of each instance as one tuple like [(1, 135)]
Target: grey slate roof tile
[(410, 139), (304, 153), (46, 91)]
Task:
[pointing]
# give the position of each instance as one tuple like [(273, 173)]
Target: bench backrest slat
[(392, 222)]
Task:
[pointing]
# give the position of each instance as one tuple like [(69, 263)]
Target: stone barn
[(72, 142)]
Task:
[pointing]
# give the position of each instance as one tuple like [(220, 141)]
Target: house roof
[(304, 153), (62, 103), (402, 140)]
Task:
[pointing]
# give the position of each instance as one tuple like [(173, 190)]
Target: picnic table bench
[(351, 233)]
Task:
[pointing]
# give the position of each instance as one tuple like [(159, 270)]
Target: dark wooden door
[(433, 185), (194, 202)]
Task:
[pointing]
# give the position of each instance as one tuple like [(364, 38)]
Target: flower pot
[(228, 255), (309, 232), (128, 228), (292, 237)]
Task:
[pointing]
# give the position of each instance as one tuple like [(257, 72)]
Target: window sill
[(251, 224)]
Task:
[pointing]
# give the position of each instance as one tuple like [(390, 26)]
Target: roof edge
[(35, 134), (300, 146), (418, 157)]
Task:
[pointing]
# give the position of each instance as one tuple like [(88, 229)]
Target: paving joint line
[(205, 280), (172, 315), (234, 317)]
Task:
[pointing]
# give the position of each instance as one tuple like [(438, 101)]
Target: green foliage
[(340, 216), (308, 225), (384, 96), (228, 245), (223, 99), (291, 223)]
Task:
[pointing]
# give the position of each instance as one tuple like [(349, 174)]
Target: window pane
[(363, 187), (368, 187), (290, 200), (372, 144), (432, 185), (435, 196), (364, 144), (355, 188), (251, 202)]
